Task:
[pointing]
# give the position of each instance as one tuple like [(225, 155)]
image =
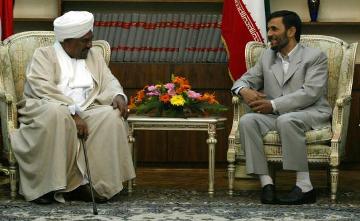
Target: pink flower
[(151, 88), (171, 92), (170, 86), (193, 94), (171, 89), (152, 91)]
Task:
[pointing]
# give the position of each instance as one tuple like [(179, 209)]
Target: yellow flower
[(177, 100)]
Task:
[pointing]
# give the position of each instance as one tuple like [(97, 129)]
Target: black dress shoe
[(44, 199), (268, 194), (83, 193), (297, 197)]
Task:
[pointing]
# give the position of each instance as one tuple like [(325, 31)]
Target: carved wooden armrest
[(8, 111), (340, 102), (234, 137), (340, 113), (339, 127)]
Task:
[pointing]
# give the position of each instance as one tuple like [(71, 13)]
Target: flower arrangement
[(174, 99)]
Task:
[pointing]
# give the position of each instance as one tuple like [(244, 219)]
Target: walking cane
[(89, 176)]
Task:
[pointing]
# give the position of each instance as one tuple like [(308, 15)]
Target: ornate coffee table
[(209, 124)]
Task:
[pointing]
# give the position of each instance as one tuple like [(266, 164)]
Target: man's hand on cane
[(81, 127), (83, 133)]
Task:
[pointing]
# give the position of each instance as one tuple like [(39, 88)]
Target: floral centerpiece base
[(174, 99)]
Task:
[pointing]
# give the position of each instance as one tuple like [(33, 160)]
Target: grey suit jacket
[(302, 88)]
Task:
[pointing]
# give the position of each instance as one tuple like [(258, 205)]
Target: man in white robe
[(70, 94)]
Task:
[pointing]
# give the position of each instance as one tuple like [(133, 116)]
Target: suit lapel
[(294, 64), (278, 71)]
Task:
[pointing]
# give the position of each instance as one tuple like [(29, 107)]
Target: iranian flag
[(242, 21), (6, 18)]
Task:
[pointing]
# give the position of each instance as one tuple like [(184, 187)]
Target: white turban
[(73, 24)]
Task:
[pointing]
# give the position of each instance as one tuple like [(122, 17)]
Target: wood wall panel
[(186, 146), (137, 75), (356, 84), (151, 146), (205, 76), (353, 137)]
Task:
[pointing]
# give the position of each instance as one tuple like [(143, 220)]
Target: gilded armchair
[(326, 146), (16, 52)]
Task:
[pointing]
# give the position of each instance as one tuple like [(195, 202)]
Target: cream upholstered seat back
[(16, 52), (20, 50), (5, 69)]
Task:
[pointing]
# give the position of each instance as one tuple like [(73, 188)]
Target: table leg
[(131, 140), (211, 141)]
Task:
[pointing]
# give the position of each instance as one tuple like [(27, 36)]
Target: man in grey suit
[(286, 90)]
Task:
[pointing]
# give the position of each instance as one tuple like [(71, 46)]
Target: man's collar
[(60, 48), (289, 55)]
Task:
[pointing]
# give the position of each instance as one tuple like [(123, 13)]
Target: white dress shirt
[(76, 81)]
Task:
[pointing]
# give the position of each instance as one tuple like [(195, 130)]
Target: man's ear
[(291, 32)]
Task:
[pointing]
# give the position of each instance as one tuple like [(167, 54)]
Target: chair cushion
[(318, 153), (318, 136)]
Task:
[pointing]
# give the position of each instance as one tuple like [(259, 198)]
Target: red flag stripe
[(149, 25), (205, 49), (193, 49), (127, 48)]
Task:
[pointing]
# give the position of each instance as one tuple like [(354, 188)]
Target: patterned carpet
[(183, 205)]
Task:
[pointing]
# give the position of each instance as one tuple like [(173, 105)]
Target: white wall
[(36, 9), (330, 10)]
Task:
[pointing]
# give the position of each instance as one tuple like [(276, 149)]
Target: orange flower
[(132, 103), (140, 95), (210, 98), (183, 88), (165, 98), (180, 80)]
